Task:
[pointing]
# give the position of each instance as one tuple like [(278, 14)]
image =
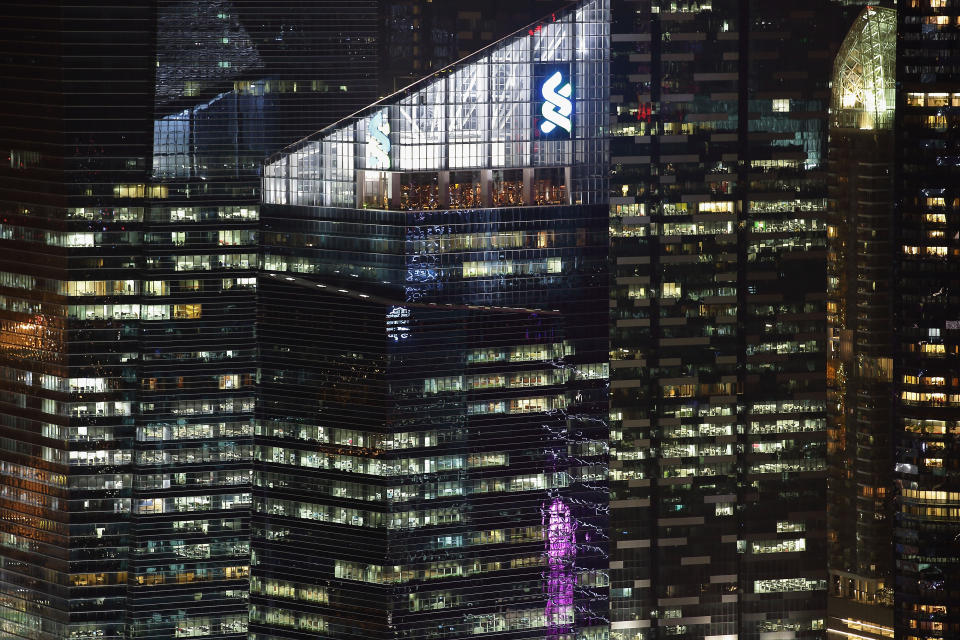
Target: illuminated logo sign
[(378, 142), (556, 102)]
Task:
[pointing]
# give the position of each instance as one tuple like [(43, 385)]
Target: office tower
[(860, 327), (926, 370), (129, 203), (718, 399), (263, 75), (431, 440), (69, 383)]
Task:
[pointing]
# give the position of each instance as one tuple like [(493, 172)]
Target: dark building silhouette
[(419, 37)]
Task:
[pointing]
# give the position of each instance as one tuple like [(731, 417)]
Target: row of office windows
[(426, 491), (377, 466), (518, 380)]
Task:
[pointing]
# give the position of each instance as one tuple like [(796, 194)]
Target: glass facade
[(130, 206), (860, 328), (926, 373), (718, 250), (431, 439)]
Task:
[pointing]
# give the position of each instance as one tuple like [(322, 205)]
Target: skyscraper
[(860, 326), (432, 438), (926, 370), (130, 201), (718, 399)]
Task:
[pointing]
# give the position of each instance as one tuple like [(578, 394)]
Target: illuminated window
[(716, 207), (937, 123), (671, 290), (187, 311), (155, 288), (778, 546), (788, 584)]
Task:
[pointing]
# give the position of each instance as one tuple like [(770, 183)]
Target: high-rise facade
[(130, 205), (860, 328), (926, 372), (69, 380), (431, 439), (718, 252)]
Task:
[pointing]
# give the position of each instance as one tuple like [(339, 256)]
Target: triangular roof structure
[(536, 98)]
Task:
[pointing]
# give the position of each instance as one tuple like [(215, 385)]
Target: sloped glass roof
[(537, 98)]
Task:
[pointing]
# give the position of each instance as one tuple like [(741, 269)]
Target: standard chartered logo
[(378, 142), (557, 106)]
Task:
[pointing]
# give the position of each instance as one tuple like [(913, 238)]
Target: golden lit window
[(716, 207), (187, 311)]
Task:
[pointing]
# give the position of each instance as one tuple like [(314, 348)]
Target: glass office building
[(860, 328), (431, 436), (718, 251), (130, 204), (926, 371)]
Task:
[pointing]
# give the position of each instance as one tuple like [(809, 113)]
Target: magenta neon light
[(561, 551)]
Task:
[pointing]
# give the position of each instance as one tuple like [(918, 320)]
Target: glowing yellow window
[(938, 123), (187, 311), (671, 290)]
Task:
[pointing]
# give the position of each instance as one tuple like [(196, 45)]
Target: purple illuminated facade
[(560, 529)]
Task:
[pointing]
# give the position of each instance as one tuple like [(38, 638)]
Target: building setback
[(431, 440), (718, 399)]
